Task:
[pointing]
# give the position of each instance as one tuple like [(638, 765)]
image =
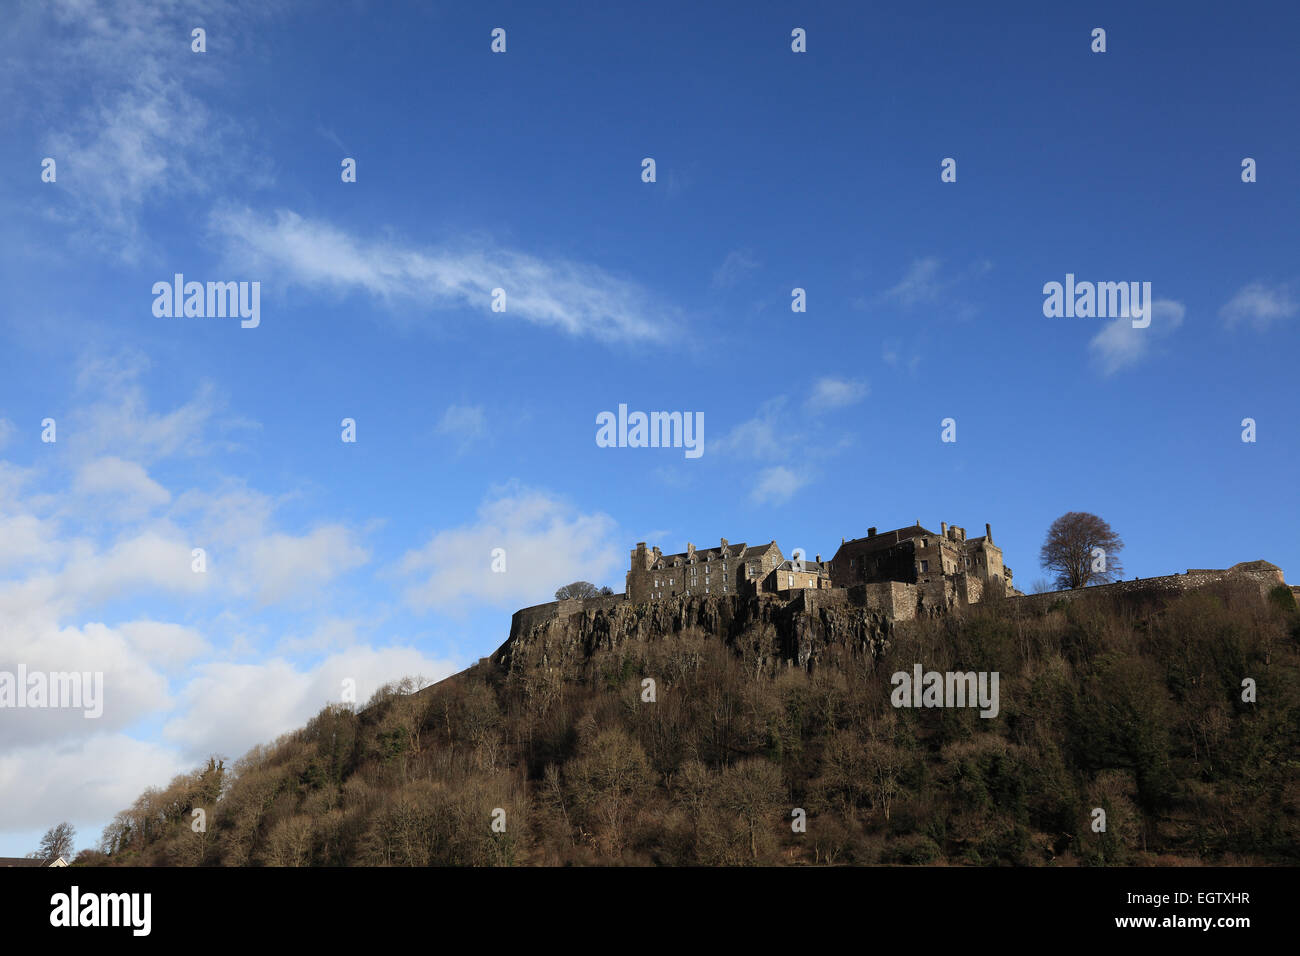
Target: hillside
[(1130, 702)]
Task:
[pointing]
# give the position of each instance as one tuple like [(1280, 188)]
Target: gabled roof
[(886, 539), (736, 551), (812, 567), (20, 861)]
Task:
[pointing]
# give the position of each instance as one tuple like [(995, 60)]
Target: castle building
[(921, 568), (795, 575), (947, 567), (728, 569)]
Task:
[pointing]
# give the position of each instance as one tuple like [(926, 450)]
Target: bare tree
[(578, 589), (57, 842), (1081, 549)]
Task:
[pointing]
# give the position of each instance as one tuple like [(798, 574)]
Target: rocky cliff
[(809, 631)]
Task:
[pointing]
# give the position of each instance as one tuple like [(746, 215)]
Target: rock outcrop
[(807, 631)]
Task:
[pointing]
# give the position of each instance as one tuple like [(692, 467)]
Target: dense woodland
[(1134, 709)]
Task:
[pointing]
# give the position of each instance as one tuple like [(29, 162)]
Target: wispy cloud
[(738, 264), (777, 485), (576, 298), (1119, 346), (830, 393), (464, 423), (895, 354), (1260, 305), (927, 283), (145, 133), (769, 434), (921, 283)]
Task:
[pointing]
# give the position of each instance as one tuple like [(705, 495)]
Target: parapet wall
[(529, 617), (1259, 574)]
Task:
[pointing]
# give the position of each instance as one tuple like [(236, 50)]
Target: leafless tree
[(1081, 549), (57, 842)]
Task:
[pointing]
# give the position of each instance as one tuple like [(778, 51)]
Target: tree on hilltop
[(1081, 549), (56, 843), (578, 589)]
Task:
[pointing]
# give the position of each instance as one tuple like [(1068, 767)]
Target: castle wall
[(1263, 579)]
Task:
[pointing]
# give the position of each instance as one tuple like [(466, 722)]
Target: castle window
[(924, 544), (925, 565)]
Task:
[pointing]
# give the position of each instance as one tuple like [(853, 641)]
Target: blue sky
[(475, 430)]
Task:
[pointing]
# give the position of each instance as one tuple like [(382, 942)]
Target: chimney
[(918, 522), (819, 559), (724, 544), (690, 551), (871, 533), (988, 533), (943, 529)]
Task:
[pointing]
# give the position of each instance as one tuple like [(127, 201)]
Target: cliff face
[(811, 630)]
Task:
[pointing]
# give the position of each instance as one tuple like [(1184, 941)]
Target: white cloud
[(546, 543), (892, 353), (572, 297), (279, 566), (230, 707), (132, 686), (26, 540), (157, 559), (169, 645), (738, 264), (920, 284), (1119, 346), (1260, 305), (768, 434), (925, 284), (121, 485), (836, 393), (84, 781), (777, 485), (7, 431), (463, 422), (116, 419)]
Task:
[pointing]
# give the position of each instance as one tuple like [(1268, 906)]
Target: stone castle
[(901, 571)]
